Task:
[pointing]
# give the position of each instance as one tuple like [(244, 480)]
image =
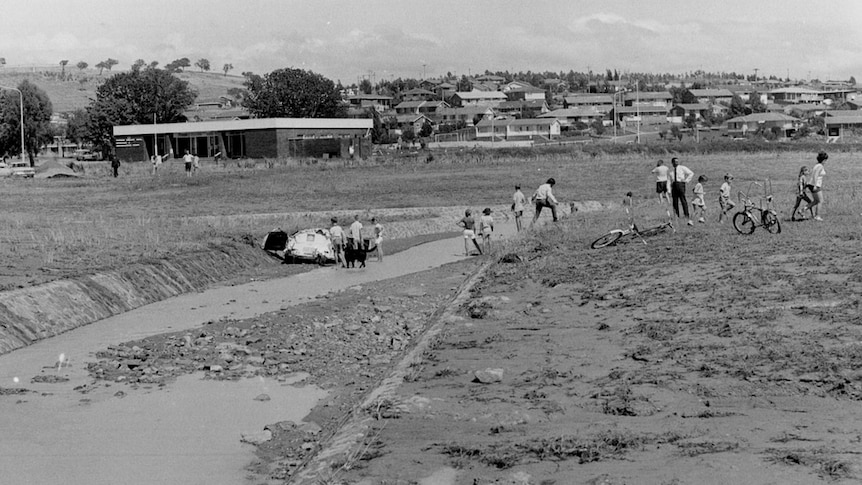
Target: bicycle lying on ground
[(757, 214), (633, 231)]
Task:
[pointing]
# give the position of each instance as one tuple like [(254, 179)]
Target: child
[(698, 203), (469, 225), (801, 187), (378, 238), (661, 181), (336, 233), (486, 228), (519, 203), (724, 201)]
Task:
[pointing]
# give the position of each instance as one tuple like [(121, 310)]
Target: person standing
[(115, 165), (679, 176), (519, 203), (699, 203), (378, 239), (196, 163), (486, 228), (817, 173), (469, 224), (188, 160), (661, 183), (157, 163), (354, 236), (336, 233), (544, 197)]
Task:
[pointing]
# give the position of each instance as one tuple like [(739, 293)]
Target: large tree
[(293, 93), (203, 64), (136, 97), (37, 120)]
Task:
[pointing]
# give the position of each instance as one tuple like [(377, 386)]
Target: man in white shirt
[(354, 238), (679, 175), (544, 197)]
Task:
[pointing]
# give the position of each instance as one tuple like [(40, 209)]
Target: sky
[(346, 40)]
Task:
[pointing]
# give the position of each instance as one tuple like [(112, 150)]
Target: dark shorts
[(661, 187), (188, 166)]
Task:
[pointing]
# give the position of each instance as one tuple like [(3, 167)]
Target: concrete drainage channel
[(345, 445)]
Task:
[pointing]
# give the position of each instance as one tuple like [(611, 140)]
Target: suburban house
[(378, 102), (604, 103), (510, 129), (754, 122), (427, 108), (680, 112), (249, 138), (523, 109), (646, 115), (712, 96), (418, 94), (794, 95), (568, 117), (411, 122), (451, 116), (525, 93), (445, 90), (661, 99), (840, 125), (478, 98)]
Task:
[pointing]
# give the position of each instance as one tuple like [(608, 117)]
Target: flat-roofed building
[(252, 138)]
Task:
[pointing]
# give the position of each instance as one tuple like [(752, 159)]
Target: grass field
[(58, 227)]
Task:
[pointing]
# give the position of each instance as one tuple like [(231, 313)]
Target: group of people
[(352, 239), (483, 229), (671, 188)]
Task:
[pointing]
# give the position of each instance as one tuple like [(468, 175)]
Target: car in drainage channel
[(306, 245)]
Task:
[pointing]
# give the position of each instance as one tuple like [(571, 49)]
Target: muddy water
[(186, 433)]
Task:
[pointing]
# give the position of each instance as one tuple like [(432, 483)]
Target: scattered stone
[(510, 258), (488, 376), (262, 397), (49, 379)]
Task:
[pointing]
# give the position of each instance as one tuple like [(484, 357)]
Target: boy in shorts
[(724, 201), (469, 225), (661, 182), (698, 204)]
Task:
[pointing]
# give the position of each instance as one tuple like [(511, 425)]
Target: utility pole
[(423, 71), (755, 74)]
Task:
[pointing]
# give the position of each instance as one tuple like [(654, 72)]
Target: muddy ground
[(702, 357)]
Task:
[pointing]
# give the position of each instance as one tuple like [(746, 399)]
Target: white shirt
[(685, 175), (356, 230), (660, 173), (519, 200), (817, 174), (544, 192)]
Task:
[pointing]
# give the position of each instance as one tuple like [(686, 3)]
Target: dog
[(352, 255)]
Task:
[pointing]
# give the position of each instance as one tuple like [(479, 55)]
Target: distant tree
[(139, 64), (76, 125), (178, 65), (755, 103), (37, 120), (408, 135), (690, 121), (203, 64), (134, 97), (737, 106), (106, 64), (153, 64), (464, 84), (237, 93), (63, 67), (675, 132), (427, 129), (82, 65), (598, 127), (365, 86), (293, 93), (226, 68), (852, 81)]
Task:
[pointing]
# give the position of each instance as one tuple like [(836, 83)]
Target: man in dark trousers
[(115, 165), (679, 175)]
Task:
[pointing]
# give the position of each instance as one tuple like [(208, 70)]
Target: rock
[(488, 376), (216, 368), (262, 397), (510, 258), (256, 438)]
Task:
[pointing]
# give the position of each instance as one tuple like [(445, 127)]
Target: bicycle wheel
[(770, 222), (608, 239), (743, 223)]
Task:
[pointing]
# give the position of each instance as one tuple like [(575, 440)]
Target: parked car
[(87, 155), (22, 169), (313, 245), (5, 171)]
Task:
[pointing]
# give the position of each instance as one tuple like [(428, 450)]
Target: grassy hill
[(78, 87)]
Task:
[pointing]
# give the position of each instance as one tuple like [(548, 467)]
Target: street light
[(21, 95)]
